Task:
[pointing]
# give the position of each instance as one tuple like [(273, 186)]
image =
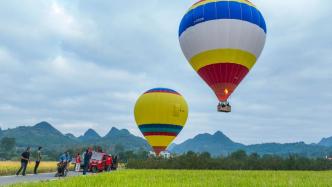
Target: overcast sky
[(82, 64)]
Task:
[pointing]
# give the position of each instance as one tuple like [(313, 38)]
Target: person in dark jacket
[(87, 157), (115, 162), (25, 156), (38, 159)]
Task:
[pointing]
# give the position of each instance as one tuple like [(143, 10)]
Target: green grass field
[(155, 178)]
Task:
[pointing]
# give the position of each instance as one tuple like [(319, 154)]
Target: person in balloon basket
[(25, 156), (87, 157), (38, 159), (77, 162)]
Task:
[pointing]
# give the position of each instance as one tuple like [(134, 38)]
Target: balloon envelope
[(160, 114), (222, 39)]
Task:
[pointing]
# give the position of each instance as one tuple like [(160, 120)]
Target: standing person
[(109, 162), (24, 161), (68, 160), (38, 159), (68, 157), (63, 158), (77, 162), (87, 157), (115, 162)]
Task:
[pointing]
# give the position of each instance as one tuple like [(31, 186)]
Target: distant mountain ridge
[(89, 135), (215, 144), (326, 142), (219, 144), (44, 134)]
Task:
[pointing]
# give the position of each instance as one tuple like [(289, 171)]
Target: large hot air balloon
[(160, 114), (222, 40)]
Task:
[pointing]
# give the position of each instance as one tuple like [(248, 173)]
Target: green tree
[(8, 144), (7, 147), (118, 148), (239, 155)]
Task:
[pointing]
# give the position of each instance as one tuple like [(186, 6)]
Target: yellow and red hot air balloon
[(222, 40), (160, 114)]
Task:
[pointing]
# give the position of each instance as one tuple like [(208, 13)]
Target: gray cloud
[(81, 64)]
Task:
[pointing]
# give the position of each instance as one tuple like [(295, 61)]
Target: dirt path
[(5, 180)]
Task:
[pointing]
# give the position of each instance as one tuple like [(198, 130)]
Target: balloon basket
[(224, 107)]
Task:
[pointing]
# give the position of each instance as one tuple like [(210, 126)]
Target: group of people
[(25, 160), (64, 161), (65, 158), (110, 162)]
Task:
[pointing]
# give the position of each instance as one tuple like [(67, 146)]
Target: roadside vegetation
[(238, 160)]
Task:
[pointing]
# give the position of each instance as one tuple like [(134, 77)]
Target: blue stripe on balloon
[(222, 10), (161, 90), (162, 126), (160, 129)]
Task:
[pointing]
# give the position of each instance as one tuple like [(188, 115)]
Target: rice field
[(191, 178), (11, 167)]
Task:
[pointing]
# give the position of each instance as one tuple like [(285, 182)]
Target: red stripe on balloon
[(223, 78), (159, 134), (198, 2), (158, 149)]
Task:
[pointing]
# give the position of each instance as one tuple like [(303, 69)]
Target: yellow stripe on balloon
[(217, 56), (160, 140), (161, 108), (214, 1)]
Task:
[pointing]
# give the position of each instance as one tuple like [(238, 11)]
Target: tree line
[(238, 160)]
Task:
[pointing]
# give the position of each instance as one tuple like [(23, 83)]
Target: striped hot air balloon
[(160, 114), (222, 40)]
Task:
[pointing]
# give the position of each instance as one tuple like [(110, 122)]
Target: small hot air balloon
[(222, 40), (160, 114)]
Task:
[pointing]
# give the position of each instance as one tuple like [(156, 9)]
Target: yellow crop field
[(192, 178), (10, 167)]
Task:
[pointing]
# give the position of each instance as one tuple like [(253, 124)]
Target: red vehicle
[(98, 162)]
